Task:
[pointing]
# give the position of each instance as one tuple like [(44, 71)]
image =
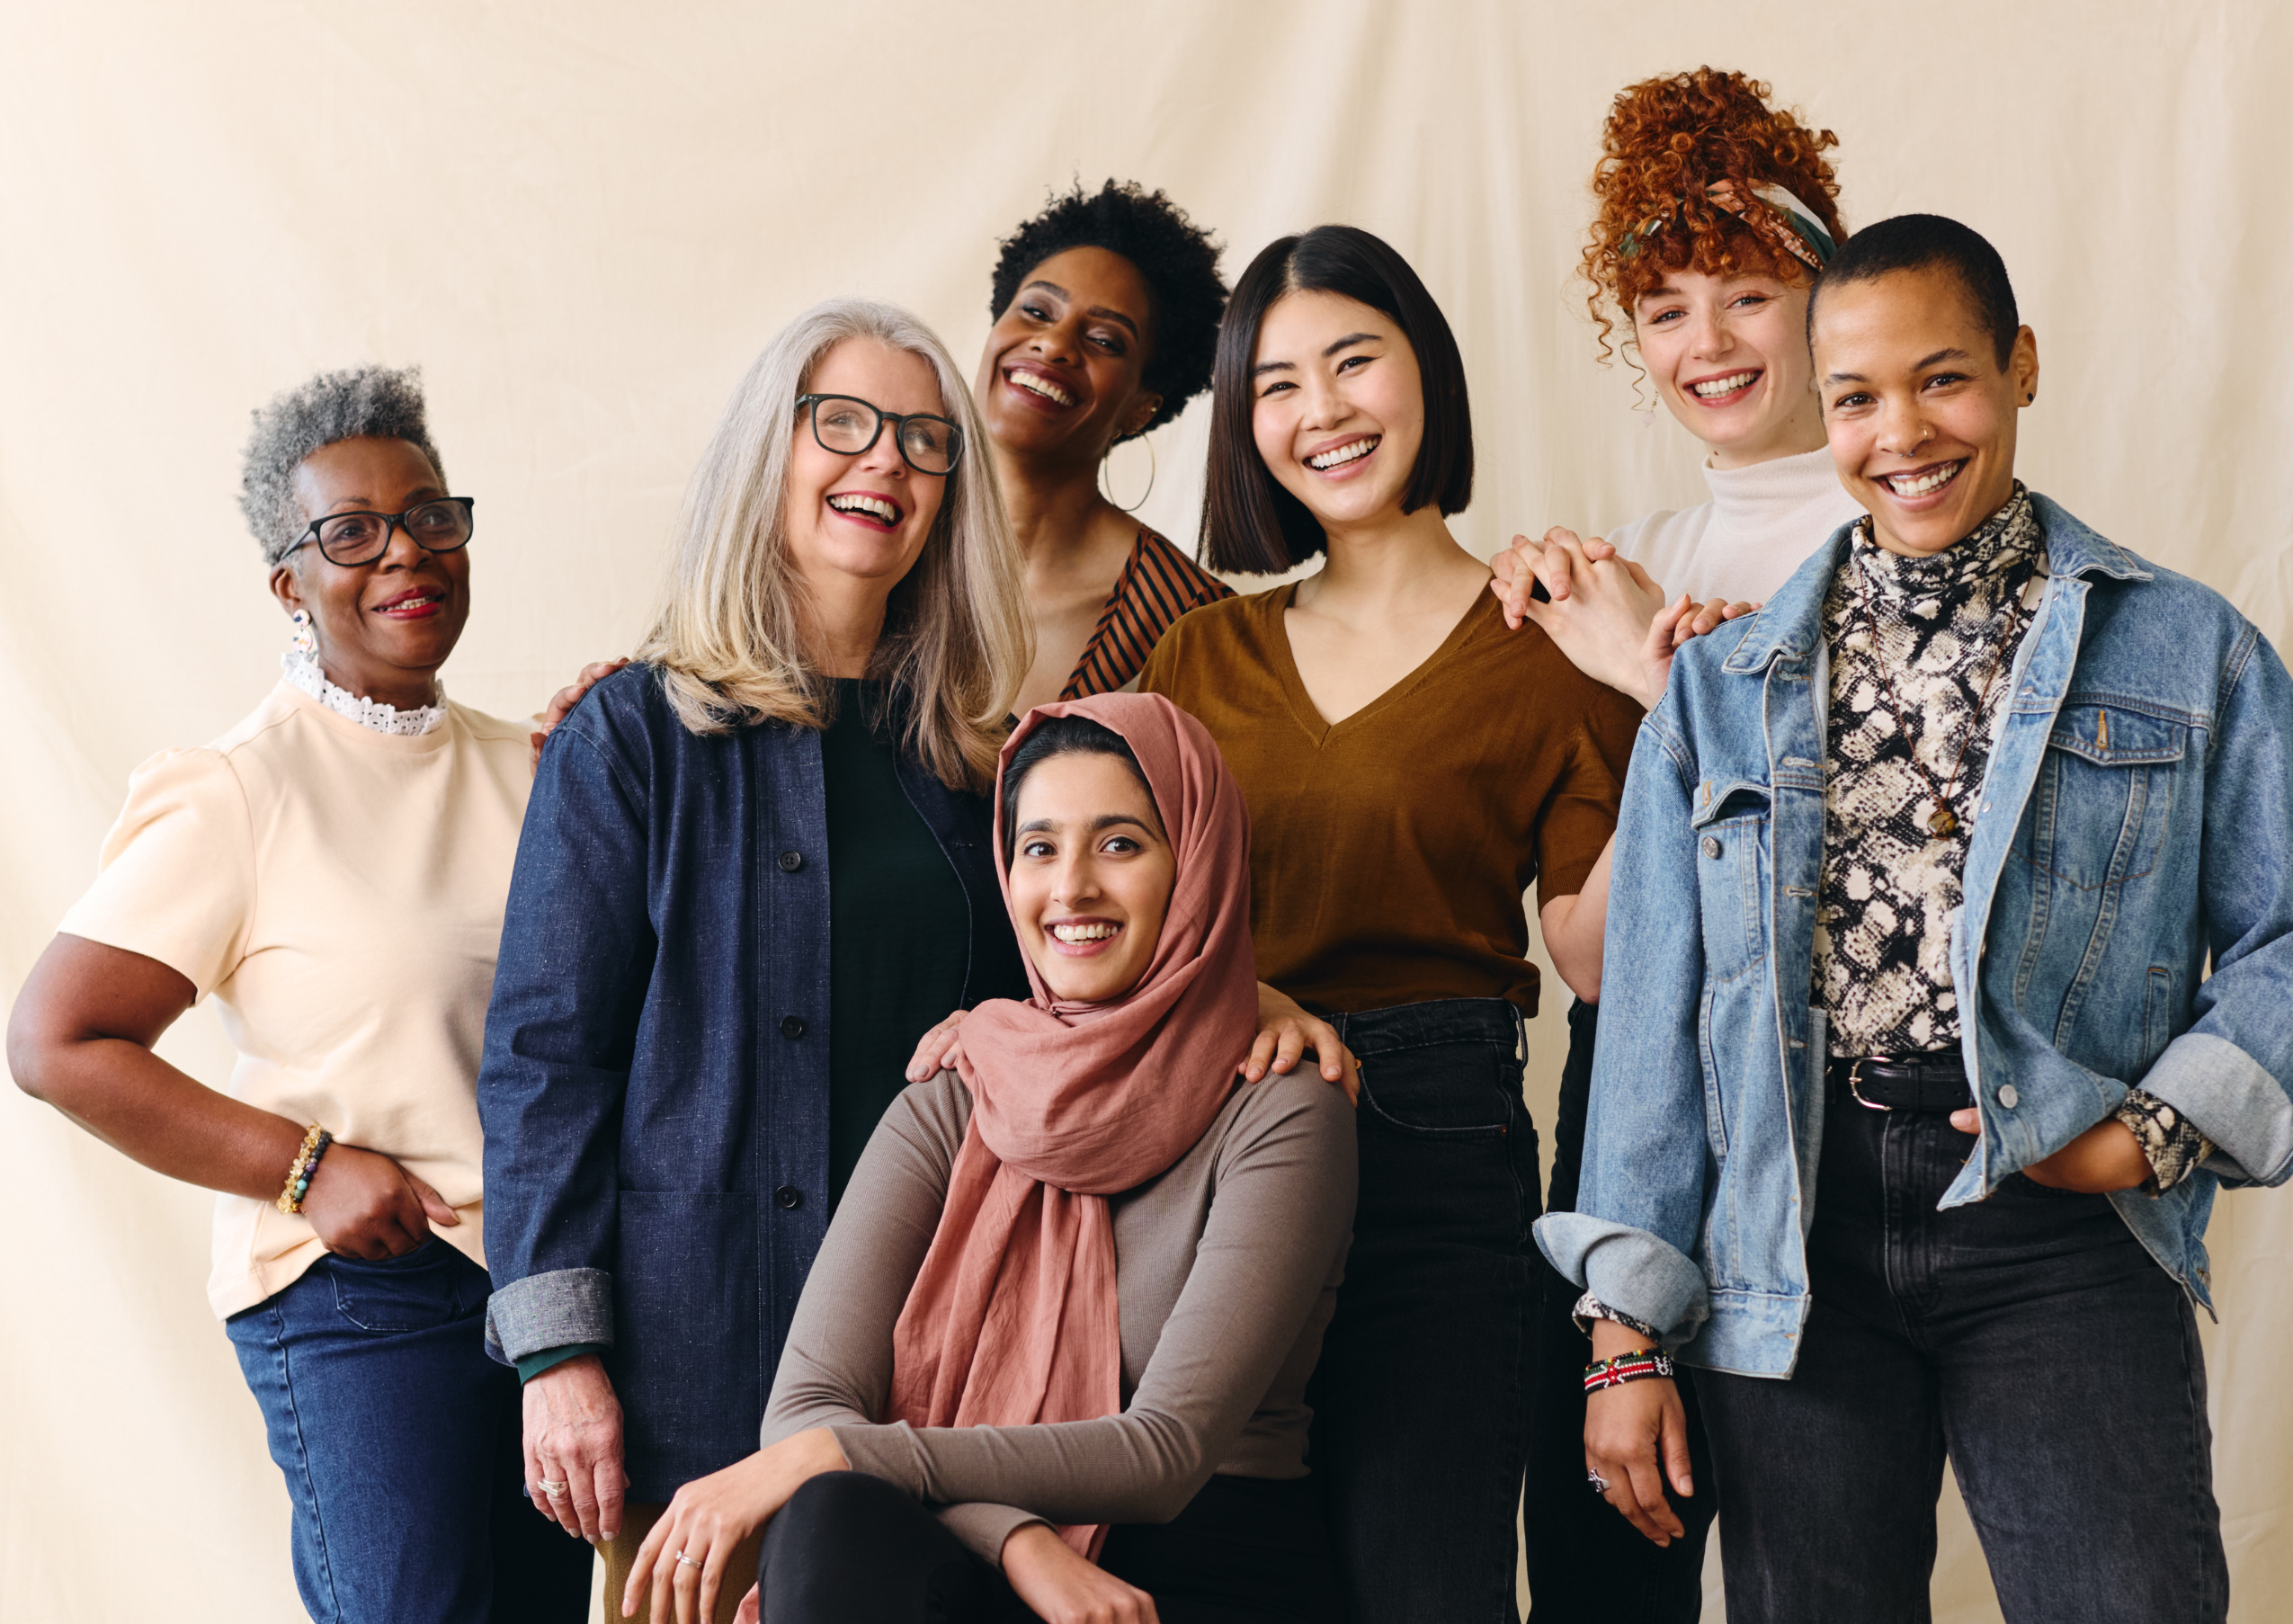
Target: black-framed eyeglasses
[(848, 425), (441, 525)]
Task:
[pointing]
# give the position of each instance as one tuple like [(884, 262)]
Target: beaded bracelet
[(1626, 1367), (314, 1146)]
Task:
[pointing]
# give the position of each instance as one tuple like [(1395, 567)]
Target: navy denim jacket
[(655, 1084), (2136, 820)]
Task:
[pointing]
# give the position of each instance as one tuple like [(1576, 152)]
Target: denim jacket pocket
[(2104, 798), (1730, 826)]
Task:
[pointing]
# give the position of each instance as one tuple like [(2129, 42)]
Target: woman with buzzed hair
[(333, 871)]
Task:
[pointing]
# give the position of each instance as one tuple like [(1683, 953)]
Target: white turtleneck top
[(1762, 524)]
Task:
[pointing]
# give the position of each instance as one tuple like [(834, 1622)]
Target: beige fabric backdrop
[(584, 219)]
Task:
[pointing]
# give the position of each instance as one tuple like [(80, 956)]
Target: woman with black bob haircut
[(1106, 307), (1402, 796)]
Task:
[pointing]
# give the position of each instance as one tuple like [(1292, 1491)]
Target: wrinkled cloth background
[(584, 219)]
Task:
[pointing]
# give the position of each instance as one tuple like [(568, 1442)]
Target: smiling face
[(384, 626), (860, 520), (1338, 407), (1091, 876), (1729, 355), (1064, 365), (1920, 416)]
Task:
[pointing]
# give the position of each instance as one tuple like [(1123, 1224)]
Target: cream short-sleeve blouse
[(339, 891)]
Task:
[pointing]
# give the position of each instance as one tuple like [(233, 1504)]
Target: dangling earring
[(1151, 471), (305, 642)]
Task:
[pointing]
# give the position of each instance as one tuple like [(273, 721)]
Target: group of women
[(1121, 1314)]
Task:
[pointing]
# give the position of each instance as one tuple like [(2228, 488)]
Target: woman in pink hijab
[(1052, 1361)]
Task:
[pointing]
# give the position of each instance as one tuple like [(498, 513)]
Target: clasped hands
[(1613, 622)]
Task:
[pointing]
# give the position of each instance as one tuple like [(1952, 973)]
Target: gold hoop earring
[(1152, 470)]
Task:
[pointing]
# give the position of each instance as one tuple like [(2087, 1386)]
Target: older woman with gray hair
[(756, 867), (332, 870)]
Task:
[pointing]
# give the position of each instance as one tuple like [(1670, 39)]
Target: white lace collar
[(304, 672)]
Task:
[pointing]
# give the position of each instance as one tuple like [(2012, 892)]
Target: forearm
[(1132, 1468), (171, 1123), (1574, 928)]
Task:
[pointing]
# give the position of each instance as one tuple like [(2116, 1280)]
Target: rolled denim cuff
[(2233, 1100), (1630, 1270), (552, 1310)]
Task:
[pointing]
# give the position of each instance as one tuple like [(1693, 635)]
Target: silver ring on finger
[(1600, 1485), (551, 1487), (688, 1561)]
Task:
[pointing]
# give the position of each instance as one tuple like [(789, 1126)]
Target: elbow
[(1579, 967), (1171, 1491), (1165, 1501), (30, 1059)]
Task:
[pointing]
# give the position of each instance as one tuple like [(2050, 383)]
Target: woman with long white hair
[(756, 867)]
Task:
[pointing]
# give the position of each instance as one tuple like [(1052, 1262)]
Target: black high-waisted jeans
[(849, 1549), (1584, 1559), (2031, 1340), (1421, 1401)]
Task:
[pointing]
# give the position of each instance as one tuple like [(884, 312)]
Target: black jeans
[(1421, 1401), (1584, 1559), (849, 1549), (2032, 1341)]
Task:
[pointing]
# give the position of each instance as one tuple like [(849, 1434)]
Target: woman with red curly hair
[(1715, 213)]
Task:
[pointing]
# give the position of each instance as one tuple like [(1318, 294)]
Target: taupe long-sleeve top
[(1226, 1271)]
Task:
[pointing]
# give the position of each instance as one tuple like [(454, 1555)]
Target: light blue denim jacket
[(2136, 819)]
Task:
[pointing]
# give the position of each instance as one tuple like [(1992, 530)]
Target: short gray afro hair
[(383, 402)]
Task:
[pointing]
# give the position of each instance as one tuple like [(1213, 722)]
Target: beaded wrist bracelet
[(314, 1146), (1626, 1367)]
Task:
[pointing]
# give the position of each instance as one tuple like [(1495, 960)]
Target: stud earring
[(304, 641)]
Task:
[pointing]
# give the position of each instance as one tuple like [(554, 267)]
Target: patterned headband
[(1782, 221)]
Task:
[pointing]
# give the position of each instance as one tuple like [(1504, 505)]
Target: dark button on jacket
[(643, 1142)]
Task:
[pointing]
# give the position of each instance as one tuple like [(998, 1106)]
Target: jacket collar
[(1791, 624)]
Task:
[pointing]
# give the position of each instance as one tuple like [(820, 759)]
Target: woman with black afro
[(1106, 307)]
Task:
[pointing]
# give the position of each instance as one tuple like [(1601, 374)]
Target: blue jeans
[(400, 1443), (1420, 1400), (2029, 1339)]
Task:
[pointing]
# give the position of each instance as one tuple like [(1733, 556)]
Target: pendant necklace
[(1943, 823)]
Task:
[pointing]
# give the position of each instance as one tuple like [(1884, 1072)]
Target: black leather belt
[(1929, 1082)]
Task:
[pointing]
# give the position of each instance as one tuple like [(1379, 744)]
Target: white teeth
[(1724, 386), (875, 507), (413, 602), (1043, 387), (1933, 481), (1091, 931), (1351, 452)]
